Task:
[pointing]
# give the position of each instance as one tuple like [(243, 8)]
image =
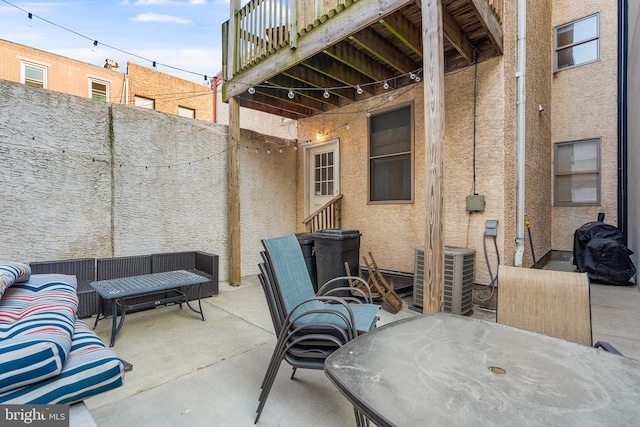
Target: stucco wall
[(584, 105), (633, 90), (78, 183)]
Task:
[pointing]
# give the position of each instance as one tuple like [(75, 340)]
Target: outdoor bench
[(88, 270)]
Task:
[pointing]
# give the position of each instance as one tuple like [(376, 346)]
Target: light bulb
[(412, 76), (280, 151), (358, 90), (268, 150), (257, 151), (295, 147), (417, 79), (348, 126), (252, 90), (326, 94), (291, 95), (368, 114), (385, 85), (390, 97)]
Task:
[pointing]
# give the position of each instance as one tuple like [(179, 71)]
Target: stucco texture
[(584, 106)]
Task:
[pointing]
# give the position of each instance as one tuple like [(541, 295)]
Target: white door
[(323, 179)]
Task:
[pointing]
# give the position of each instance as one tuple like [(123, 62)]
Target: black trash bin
[(333, 249), (308, 251)]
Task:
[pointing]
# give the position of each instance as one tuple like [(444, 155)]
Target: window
[(391, 156), (141, 101), (99, 90), (577, 43), (323, 173), (577, 178), (33, 74), (186, 112)]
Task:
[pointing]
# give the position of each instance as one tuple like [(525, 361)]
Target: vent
[(459, 264)]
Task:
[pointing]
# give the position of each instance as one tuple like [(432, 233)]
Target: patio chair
[(555, 303), (309, 327)]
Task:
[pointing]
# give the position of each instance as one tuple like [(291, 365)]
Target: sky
[(184, 34)]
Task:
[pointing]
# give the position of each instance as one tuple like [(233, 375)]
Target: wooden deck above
[(297, 61)]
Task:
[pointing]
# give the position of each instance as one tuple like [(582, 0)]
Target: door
[(322, 177)]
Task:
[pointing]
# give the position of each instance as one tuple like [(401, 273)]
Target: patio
[(189, 372)]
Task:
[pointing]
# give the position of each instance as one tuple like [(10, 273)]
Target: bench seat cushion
[(90, 369), (36, 328)]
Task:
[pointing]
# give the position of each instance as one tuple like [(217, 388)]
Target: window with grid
[(577, 43), (391, 156), (577, 173), (99, 90), (33, 74), (323, 174)]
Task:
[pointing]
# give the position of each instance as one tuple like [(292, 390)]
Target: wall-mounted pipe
[(521, 74)]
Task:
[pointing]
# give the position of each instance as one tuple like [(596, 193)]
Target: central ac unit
[(459, 270)]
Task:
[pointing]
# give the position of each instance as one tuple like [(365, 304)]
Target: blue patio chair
[(309, 327)]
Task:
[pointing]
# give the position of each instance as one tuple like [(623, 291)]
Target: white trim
[(107, 83), (336, 171), (36, 65)]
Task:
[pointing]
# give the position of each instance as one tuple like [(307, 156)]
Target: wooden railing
[(328, 216), (262, 27)]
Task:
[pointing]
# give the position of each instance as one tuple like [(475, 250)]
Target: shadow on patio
[(190, 372)]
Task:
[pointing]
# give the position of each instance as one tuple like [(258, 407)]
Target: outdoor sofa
[(47, 354), (88, 270)]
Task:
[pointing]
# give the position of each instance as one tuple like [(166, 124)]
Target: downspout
[(520, 130), (214, 89), (623, 29)]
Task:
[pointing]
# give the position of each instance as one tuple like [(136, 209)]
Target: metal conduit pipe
[(520, 130)]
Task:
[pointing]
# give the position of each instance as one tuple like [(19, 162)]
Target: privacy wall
[(82, 178)]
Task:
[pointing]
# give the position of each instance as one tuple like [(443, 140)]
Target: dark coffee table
[(166, 286)]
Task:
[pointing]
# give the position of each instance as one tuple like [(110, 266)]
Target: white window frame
[(557, 48), (187, 112), (98, 81), (32, 64), (597, 172), (144, 102), (411, 153)]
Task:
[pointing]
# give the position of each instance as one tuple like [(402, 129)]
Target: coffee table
[(166, 286), (449, 370)]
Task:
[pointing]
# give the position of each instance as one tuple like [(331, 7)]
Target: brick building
[(34, 67)]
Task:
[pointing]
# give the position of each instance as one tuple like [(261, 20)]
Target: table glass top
[(134, 285)]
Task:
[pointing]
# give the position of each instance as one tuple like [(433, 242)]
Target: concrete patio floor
[(187, 372)]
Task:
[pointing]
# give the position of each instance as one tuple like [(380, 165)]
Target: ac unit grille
[(459, 271)]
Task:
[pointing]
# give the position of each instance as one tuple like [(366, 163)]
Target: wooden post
[(234, 193), (433, 66), (235, 273)]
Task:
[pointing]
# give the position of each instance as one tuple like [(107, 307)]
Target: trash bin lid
[(304, 238), (334, 234)]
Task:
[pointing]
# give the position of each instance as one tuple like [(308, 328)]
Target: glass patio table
[(445, 369)]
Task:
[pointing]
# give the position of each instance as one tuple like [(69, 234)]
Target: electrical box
[(475, 203), (491, 228)]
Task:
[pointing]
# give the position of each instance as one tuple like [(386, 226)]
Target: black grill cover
[(598, 250), (608, 261)]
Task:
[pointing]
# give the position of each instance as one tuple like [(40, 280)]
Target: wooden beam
[(404, 30), (359, 61), (456, 36), (433, 58), (370, 41), (314, 78), (246, 102), (284, 82), (353, 19), (490, 22), (347, 76), (269, 96), (235, 273)]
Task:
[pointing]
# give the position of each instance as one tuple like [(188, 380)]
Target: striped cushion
[(12, 272), (36, 327), (90, 369)]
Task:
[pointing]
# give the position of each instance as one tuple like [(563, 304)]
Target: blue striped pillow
[(12, 272), (89, 370), (36, 327)]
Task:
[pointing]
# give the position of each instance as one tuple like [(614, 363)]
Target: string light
[(412, 76), (252, 90), (280, 151), (386, 85), (291, 95), (326, 94), (347, 126), (268, 150), (358, 90)]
